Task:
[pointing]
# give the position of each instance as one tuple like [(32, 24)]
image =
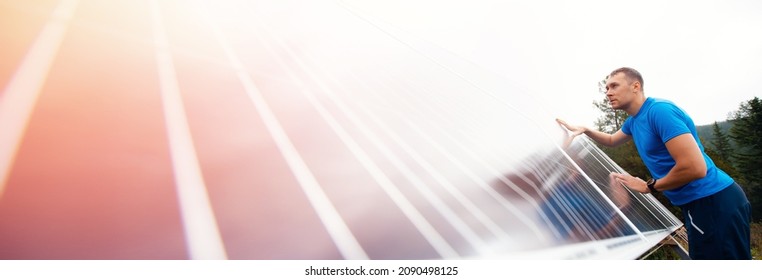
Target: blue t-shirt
[(657, 122)]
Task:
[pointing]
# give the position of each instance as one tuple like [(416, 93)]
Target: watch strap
[(651, 183)]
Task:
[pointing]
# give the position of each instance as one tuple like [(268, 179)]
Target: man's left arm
[(689, 163), (689, 166)]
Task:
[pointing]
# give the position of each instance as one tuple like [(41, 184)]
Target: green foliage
[(707, 132), (756, 241), (722, 162), (612, 120), (747, 133), (628, 158), (663, 253), (721, 143)]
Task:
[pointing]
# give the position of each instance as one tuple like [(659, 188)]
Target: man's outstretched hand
[(575, 131)]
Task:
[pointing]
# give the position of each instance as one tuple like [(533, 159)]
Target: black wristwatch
[(651, 183)]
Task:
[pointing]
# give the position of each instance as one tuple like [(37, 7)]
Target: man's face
[(620, 91)]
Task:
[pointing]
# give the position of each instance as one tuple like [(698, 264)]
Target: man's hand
[(634, 183), (619, 194), (575, 131), (609, 140)]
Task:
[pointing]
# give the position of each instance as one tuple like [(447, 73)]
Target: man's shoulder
[(658, 106), (661, 102), (664, 113)]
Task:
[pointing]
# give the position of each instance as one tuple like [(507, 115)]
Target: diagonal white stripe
[(440, 205), (202, 235), (19, 97), (450, 187), (345, 241), (408, 209)]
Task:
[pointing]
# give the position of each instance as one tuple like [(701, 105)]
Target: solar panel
[(286, 130)]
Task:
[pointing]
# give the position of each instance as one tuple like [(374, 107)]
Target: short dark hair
[(630, 73)]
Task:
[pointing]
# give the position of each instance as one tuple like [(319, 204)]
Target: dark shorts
[(718, 225)]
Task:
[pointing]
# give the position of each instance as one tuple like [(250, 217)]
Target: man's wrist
[(651, 184)]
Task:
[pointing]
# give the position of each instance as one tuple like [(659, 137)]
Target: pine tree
[(723, 164), (747, 133), (721, 143)]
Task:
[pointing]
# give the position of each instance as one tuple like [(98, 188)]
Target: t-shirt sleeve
[(668, 121), (626, 126)]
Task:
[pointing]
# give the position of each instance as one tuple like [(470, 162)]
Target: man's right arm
[(609, 140)]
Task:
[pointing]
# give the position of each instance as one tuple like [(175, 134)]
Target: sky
[(706, 56)]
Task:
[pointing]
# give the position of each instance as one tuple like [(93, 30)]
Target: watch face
[(650, 181)]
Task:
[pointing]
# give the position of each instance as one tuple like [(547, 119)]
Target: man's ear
[(636, 86)]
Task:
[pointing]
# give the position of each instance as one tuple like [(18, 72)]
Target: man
[(715, 209)]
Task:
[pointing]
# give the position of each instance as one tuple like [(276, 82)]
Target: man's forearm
[(677, 177), (600, 137)]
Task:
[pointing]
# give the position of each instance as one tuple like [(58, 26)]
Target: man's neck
[(634, 108)]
